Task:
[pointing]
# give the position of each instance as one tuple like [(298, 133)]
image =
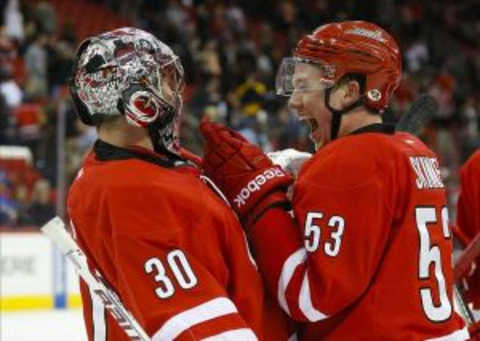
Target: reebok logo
[(255, 185)]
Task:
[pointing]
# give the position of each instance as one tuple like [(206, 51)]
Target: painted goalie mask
[(130, 72)]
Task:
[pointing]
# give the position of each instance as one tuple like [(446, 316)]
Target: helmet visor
[(302, 75)]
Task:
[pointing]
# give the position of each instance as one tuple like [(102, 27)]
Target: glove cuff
[(276, 199), (263, 182)]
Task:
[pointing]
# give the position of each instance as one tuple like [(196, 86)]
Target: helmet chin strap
[(156, 127), (337, 114)]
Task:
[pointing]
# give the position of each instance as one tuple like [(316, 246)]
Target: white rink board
[(29, 272), (26, 264)]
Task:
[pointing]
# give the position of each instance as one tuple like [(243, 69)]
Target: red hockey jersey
[(368, 254), (170, 248), (468, 216)]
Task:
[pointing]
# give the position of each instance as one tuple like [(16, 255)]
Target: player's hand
[(290, 160), (243, 172)]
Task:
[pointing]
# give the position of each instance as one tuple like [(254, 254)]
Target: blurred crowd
[(230, 51)]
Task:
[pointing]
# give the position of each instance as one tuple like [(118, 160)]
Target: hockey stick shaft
[(422, 110), (462, 306), (464, 262), (55, 230)]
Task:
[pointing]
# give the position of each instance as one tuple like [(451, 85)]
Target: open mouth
[(312, 123)]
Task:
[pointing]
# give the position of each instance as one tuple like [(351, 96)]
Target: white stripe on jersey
[(458, 335), (181, 322), (293, 337), (305, 302), (243, 334), (288, 269)]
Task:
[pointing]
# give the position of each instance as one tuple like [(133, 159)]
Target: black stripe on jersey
[(383, 128), (107, 152)]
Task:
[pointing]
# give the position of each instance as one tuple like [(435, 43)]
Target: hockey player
[(367, 255), (468, 224), (172, 249)]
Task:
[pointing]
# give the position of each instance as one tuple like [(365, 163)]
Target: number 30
[(185, 277)]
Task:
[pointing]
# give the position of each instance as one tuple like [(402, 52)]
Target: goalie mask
[(130, 72)]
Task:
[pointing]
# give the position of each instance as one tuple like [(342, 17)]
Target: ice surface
[(50, 325)]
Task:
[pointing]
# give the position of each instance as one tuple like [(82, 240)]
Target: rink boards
[(34, 275)]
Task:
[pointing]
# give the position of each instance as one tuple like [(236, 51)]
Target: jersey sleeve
[(171, 292), (468, 206), (321, 261), (468, 219)]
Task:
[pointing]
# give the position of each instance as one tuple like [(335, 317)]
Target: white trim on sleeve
[(243, 334), (305, 302), (209, 310), (288, 269), (458, 335), (293, 337)]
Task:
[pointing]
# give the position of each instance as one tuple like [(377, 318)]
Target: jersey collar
[(383, 128), (107, 152)]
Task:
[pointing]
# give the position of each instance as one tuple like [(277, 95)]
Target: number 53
[(332, 244)]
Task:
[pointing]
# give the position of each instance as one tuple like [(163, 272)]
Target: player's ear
[(351, 92)]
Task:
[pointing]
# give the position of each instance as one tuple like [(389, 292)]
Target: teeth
[(303, 118)]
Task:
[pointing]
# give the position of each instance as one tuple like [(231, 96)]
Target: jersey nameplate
[(427, 171)]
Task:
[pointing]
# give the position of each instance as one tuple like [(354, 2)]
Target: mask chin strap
[(337, 114), (154, 129)]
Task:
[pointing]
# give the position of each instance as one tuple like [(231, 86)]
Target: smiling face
[(308, 101)]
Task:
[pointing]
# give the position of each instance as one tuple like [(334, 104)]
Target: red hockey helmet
[(355, 47)]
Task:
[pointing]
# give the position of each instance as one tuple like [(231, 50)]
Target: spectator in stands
[(22, 198), (61, 52), (13, 21), (8, 207), (10, 93), (46, 18), (9, 88), (36, 64), (30, 120), (41, 209), (437, 37)]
